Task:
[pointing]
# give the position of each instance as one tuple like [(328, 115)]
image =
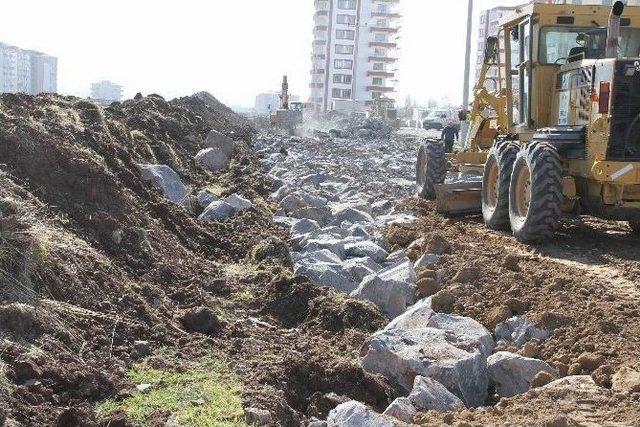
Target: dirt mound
[(217, 115), (94, 259)]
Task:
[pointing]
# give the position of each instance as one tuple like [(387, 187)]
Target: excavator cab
[(555, 124)]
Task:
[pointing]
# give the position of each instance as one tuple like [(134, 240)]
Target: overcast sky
[(233, 49)]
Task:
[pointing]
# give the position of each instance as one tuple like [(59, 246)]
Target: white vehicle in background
[(438, 119)]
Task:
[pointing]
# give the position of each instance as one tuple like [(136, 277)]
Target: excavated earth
[(93, 258)]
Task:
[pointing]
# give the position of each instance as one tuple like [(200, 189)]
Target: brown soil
[(581, 287), (93, 258)]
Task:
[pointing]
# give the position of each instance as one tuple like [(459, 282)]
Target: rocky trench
[(338, 198)]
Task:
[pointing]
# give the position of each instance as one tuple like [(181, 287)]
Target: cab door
[(519, 84)]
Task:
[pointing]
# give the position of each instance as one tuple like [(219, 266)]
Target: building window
[(342, 78), (347, 4), (376, 95), (345, 34), (382, 23), (343, 64), (347, 19), (344, 49), (381, 37), (382, 8), (380, 53), (341, 93), (378, 66), (377, 81)]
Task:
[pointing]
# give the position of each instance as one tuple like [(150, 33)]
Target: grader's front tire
[(535, 195), (431, 168), (635, 226), (495, 184)]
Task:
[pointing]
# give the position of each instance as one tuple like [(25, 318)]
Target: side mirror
[(491, 51)]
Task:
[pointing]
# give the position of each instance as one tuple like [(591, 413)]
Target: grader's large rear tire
[(495, 184), (431, 168), (535, 195)]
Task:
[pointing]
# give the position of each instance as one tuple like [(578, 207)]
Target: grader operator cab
[(555, 124)]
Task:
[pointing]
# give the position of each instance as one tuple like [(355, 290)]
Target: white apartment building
[(489, 24), (355, 53), (106, 92), (27, 71)]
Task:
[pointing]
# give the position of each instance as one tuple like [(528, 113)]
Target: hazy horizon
[(235, 51)]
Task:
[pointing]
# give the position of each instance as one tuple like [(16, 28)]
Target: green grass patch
[(207, 395)]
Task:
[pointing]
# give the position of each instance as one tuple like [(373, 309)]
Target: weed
[(207, 395)]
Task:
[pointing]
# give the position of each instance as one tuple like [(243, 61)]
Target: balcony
[(386, 59), (384, 29), (390, 15), (384, 44), (380, 74), (320, 56), (316, 85), (319, 42), (320, 28), (321, 13), (380, 89), (317, 71)]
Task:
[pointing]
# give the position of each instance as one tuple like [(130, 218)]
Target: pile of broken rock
[(440, 362)]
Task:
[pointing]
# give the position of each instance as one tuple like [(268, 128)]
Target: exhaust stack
[(613, 30)]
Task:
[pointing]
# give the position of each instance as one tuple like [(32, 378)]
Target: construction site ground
[(119, 307)]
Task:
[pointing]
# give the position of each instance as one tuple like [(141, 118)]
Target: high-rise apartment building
[(27, 71), (489, 24), (355, 53), (106, 92)]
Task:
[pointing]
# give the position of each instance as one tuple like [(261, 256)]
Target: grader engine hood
[(625, 111)]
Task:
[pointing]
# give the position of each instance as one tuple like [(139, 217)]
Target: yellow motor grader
[(555, 123)]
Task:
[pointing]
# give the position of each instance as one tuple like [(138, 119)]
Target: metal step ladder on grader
[(554, 126)]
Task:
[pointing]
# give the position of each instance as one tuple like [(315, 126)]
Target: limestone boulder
[(402, 354), (167, 180), (356, 414), (512, 374)]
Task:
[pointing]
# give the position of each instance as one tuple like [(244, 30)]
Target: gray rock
[(212, 159), (205, 198), (332, 275), (218, 210), (238, 202), (415, 317), (258, 417), (167, 180), (219, 141), (392, 289), (400, 355), (142, 348), (355, 414), (426, 261), (321, 256), (402, 271), (361, 267), (358, 230), (519, 330), (512, 374), (391, 296), (350, 215), (366, 248), (465, 332), (401, 409), (429, 395)]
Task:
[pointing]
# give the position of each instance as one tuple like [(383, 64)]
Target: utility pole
[(464, 125)]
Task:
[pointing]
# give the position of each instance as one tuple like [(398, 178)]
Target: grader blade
[(460, 198)]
